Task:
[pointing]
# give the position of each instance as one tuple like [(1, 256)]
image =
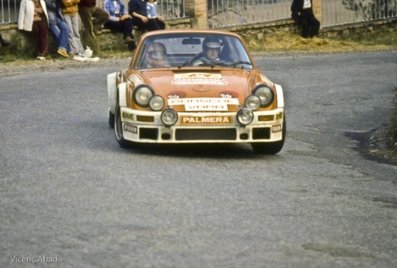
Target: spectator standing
[(138, 10), (151, 6), (302, 14), (119, 21), (70, 13), (58, 27), (92, 18), (4, 42), (33, 18)]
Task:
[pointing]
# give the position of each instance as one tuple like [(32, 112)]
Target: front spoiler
[(146, 127)]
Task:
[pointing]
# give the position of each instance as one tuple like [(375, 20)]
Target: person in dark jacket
[(138, 10), (302, 14), (119, 21)]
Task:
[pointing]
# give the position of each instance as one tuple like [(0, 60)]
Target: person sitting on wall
[(119, 21), (302, 14), (138, 10), (151, 6), (58, 27)]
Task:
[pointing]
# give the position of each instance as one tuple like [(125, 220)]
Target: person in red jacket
[(92, 18), (302, 14)]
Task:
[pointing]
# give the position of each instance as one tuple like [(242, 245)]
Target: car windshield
[(180, 50)]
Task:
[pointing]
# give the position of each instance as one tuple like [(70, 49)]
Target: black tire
[(118, 130), (111, 120), (270, 147)]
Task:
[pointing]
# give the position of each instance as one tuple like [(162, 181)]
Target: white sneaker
[(79, 58), (87, 53), (92, 59)]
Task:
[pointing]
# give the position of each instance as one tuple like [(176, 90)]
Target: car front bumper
[(203, 127)]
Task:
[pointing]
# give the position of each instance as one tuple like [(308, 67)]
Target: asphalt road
[(69, 194)]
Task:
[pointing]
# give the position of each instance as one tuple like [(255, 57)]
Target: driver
[(210, 54), (156, 56)]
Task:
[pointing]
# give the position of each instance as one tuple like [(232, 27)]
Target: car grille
[(206, 134)]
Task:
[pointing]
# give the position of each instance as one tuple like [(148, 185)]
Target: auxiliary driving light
[(169, 117), (245, 116)]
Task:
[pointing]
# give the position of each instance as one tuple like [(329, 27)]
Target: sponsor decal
[(223, 95), (210, 120), (173, 96), (199, 79), (128, 116), (204, 104), (279, 116), (130, 128), (276, 128)]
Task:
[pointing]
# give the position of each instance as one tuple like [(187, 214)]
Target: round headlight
[(245, 116), (265, 94), (142, 95), (252, 102), (156, 103), (169, 117)]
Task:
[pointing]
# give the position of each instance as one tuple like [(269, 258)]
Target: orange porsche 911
[(195, 86)]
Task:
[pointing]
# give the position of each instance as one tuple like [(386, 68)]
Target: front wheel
[(118, 129), (270, 147), (111, 119)]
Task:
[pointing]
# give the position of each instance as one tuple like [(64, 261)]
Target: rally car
[(195, 86)]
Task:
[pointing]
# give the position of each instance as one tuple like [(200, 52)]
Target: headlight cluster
[(144, 96), (262, 97)]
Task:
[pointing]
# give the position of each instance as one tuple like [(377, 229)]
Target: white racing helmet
[(212, 43)]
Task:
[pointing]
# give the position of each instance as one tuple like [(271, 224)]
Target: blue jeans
[(60, 31)]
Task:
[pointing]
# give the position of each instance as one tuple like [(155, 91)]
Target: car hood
[(234, 84)]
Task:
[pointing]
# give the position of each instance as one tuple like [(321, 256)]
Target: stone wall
[(23, 42)]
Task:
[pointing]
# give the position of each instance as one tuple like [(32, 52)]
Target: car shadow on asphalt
[(196, 150)]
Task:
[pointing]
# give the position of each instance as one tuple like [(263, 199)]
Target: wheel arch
[(116, 92), (280, 96)]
